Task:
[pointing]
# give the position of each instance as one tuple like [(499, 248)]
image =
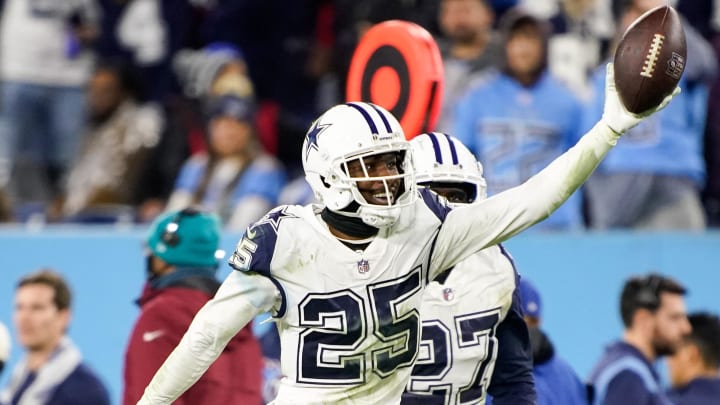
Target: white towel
[(64, 360)]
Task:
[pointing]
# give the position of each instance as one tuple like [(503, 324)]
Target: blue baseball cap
[(530, 297), (187, 237)]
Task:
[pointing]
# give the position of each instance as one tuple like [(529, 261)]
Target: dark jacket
[(234, 378), (700, 391), (81, 387), (623, 376)]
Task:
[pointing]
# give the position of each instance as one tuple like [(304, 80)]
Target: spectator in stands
[(46, 61), (555, 380), (582, 31), (217, 69), (653, 312), (5, 346), (288, 63), (653, 178), (204, 74), (469, 45), (702, 15), (106, 182), (235, 178), (536, 122), (695, 366), (182, 261), (53, 371), (147, 35)]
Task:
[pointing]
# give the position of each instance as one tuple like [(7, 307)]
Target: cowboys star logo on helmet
[(312, 135)]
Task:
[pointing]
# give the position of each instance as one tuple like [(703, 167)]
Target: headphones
[(648, 296), (170, 235)]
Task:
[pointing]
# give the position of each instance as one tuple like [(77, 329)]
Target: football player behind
[(344, 278), (478, 295)]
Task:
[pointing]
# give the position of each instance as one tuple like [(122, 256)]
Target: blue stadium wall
[(579, 276)]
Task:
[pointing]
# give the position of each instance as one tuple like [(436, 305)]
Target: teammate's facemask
[(454, 193)]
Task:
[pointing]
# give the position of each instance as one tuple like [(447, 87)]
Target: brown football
[(650, 59)]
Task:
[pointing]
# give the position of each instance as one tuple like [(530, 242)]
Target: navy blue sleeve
[(270, 343), (254, 252), (512, 381), (81, 387)]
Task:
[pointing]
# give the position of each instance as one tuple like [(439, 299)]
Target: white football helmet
[(441, 158), (351, 131)]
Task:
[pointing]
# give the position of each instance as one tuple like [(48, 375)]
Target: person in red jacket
[(181, 266)]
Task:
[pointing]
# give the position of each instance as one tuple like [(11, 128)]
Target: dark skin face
[(374, 191), (105, 94)]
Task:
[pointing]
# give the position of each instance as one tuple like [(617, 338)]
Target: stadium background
[(578, 274)]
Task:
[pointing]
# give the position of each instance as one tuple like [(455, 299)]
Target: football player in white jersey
[(472, 321), (344, 278)]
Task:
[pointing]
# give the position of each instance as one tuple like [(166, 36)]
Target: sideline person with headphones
[(653, 312), (182, 259)]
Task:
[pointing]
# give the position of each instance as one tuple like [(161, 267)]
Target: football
[(650, 59)]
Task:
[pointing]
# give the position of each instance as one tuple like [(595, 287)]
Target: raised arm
[(241, 297), (470, 228)]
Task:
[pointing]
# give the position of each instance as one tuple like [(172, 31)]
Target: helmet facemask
[(381, 183), (456, 193)]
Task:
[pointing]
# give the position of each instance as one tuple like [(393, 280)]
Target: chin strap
[(348, 225)]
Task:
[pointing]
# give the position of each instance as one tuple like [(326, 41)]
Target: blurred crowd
[(114, 111)]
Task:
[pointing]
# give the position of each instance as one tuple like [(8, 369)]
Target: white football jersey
[(459, 346), (348, 321)]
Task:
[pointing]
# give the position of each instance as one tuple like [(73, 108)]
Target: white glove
[(615, 115)]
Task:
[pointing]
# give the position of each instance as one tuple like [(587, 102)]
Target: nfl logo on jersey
[(448, 294), (363, 266)]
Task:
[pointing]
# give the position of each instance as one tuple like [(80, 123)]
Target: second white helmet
[(442, 158)]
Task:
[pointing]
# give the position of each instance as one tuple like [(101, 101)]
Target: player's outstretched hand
[(615, 115)]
